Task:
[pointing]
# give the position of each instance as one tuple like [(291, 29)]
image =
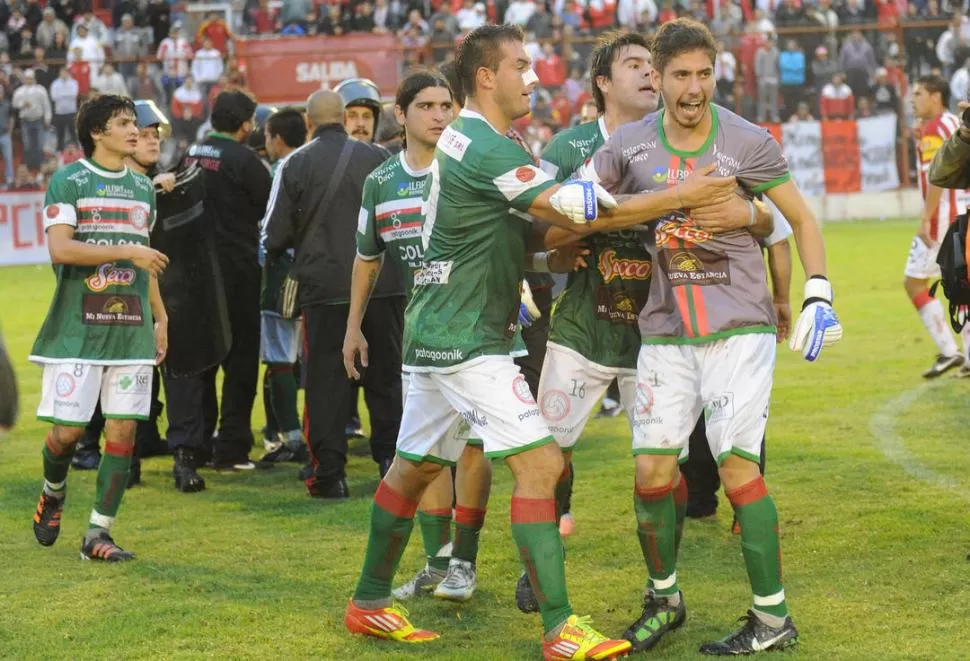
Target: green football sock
[(680, 506), (111, 483), (391, 521), (536, 535), (657, 532), (283, 397), (758, 518), (468, 526), (564, 488), (57, 463), (436, 533)]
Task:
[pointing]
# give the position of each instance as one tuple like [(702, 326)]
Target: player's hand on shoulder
[(148, 259), (701, 188), (165, 181), (817, 325), (727, 216)]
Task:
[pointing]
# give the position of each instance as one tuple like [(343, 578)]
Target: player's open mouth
[(691, 108)]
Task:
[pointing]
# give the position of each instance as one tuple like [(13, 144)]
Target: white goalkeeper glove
[(577, 200), (817, 325), (528, 311)]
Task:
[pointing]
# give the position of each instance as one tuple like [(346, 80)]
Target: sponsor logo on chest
[(109, 275), (114, 190), (612, 267)]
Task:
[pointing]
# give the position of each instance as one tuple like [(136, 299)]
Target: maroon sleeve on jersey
[(765, 166)]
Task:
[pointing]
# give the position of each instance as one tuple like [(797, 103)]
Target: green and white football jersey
[(465, 301), (596, 314), (101, 314), (390, 217)]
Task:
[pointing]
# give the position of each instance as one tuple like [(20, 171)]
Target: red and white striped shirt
[(931, 137)]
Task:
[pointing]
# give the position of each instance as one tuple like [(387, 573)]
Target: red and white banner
[(22, 229), (841, 156)]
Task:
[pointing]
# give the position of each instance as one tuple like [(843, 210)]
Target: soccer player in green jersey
[(458, 332), (106, 326)]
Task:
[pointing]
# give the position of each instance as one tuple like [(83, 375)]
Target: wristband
[(540, 262), (751, 213)]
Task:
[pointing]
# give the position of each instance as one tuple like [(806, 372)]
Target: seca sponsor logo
[(325, 72), (108, 275), (612, 267), (521, 390), (680, 228)]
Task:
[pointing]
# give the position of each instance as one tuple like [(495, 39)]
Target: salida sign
[(288, 69)]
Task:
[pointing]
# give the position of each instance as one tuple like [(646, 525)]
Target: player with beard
[(708, 329), (458, 334), (106, 326)]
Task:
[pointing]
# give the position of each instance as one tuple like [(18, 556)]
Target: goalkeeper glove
[(817, 325), (577, 200), (528, 312)]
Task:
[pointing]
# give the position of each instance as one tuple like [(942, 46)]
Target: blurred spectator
[(412, 42), (667, 12), (791, 67), (887, 12), (386, 18), (71, 154), (836, 100), (789, 14), (15, 24), (294, 11), (5, 67), (64, 94), (960, 83), (550, 68), (235, 73), (725, 72), (826, 17), (263, 19), (207, 67), (748, 49), (174, 55), (858, 60), (729, 22), (109, 81), (214, 29), (86, 48), (364, 17), (762, 23), (26, 50), (519, 12), (80, 71), (588, 113), (572, 16), (4, 42), (66, 11), (884, 94), (415, 21), (444, 14), (95, 26), (802, 114), (950, 42), (855, 12), (602, 13), (159, 18), (863, 109), (221, 85), (145, 86), (635, 14), (130, 44), (48, 27), (334, 22), (34, 107), (823, 68), (574, 85), (187, 101), (43, 73), (57, 53), (442, 40), (540, 23), (920, 42), (766, 68), (122, 7), (23, 181), (6, 144)]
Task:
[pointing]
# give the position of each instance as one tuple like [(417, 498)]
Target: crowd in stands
[(780, 60)]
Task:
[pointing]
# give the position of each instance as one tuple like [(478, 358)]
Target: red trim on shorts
[(748, 493), (118, 449), (533, 510), (444, 511), (922, 299), (653, 494), (469, 516), (394, 503), (680, 491)]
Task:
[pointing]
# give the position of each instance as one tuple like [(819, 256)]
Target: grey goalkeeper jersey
[(705, 286)]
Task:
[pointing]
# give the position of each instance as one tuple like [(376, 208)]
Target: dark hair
[(231, 110), (93, 117), (289, 125), (605, 53), (936, 85), (414, 84), (678, 36), (483, 48), (450, 71)]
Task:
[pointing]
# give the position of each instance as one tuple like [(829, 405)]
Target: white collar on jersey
[(412, 172), (471, 114), (602, 124), (104, 173)]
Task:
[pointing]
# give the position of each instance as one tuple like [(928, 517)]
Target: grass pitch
[(869, 467)]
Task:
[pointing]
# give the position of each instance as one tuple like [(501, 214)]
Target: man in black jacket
[(324, 241), (237, 185)]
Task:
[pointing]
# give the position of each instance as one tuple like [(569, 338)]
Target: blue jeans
[(32, 133), (6, 150)]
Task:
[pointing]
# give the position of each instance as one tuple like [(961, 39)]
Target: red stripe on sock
[(469, 516), (445, 511), (654, 494), (391, 501), (54, 448), (748, 493), (117, 449), (680, 491), (922, 299), (533, 510)]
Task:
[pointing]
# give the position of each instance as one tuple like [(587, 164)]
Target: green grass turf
[(875, 558)]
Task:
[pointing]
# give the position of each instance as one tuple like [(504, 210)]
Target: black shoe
[(134, 473), (102, 547), (281, 454), (754, 636), (943, 365), (47, 519), (330, 489), (703, 511), (658, 617), (225, 464), (86, 460), (187, 480), (305, 472), (525, 596), (384, 466), (354, 429)]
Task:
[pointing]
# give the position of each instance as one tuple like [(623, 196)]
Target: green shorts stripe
[(430, 458), (502, 454), (62, 423)]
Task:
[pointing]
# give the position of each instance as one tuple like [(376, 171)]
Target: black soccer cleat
[(943, 365), (102, 548), (47, 519), (525, 596), (187, 478), (754, 636), (659, 616)]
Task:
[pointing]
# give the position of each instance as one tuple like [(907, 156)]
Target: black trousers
[(700, 470), (535, 337), (192, 406), (329, 391), (146, 431)]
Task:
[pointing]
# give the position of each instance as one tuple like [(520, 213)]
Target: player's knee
[(121, 431), (913, 287), (736, 471), (67, 436), (415, 473), (539, 467), (655, 470)]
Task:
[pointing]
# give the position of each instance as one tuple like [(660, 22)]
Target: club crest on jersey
[(138, 217), (109, 275), (612, 267)]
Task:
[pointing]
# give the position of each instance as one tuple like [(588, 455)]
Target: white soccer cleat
[(460, 581), (423, 583)]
